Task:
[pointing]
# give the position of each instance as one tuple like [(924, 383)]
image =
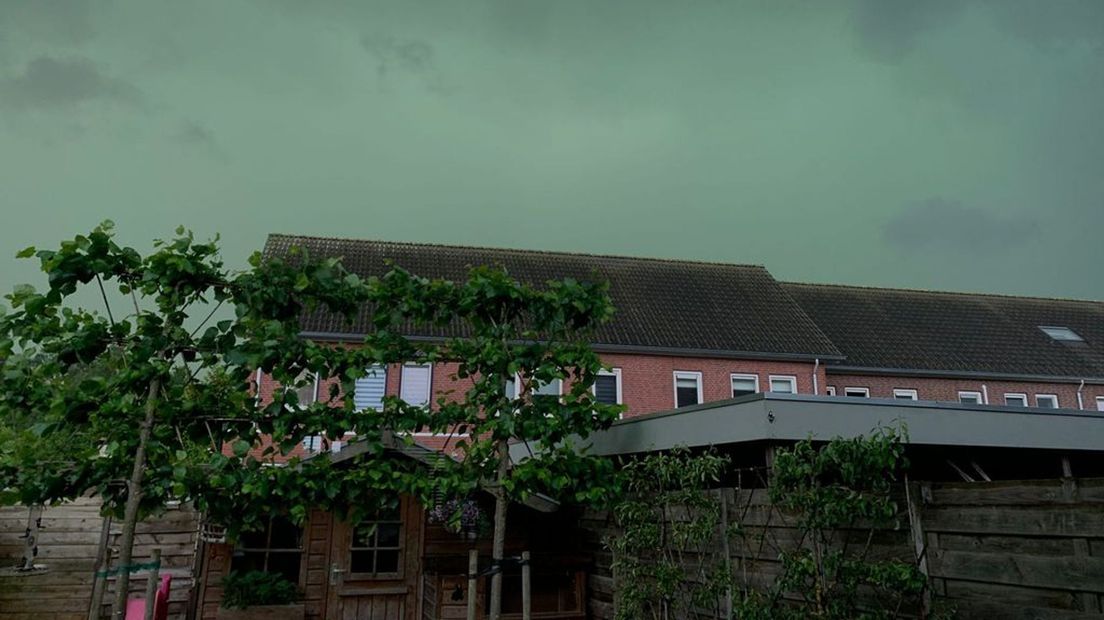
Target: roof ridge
[(940, 292), (525, 251)]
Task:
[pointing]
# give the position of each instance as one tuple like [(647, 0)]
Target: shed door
[(375, 566)]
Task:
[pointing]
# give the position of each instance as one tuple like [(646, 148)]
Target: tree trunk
[(499, 545), (134, 498)]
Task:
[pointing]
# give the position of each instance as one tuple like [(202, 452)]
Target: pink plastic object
[(136, 607)]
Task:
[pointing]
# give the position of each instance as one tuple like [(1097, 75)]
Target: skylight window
[(1061, 334)]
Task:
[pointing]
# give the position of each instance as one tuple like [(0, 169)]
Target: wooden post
[(103, 562), (473, 570), (30, 538), (526, 592), (917, 531), (151, 584), (722, 496), (99, 585)]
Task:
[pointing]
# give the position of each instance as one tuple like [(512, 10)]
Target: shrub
[(249, 588)]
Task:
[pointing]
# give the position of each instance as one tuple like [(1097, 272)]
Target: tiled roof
[(956, 332), (674, 305)]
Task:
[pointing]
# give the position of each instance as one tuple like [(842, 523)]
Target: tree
[(123, 402), (155, 399), (513, 340)]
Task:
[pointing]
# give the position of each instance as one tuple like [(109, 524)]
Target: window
[(369, 390), (278, 548), (783, 384), (415, 383), (688, 388), (1015, 400), (1046, 401), (312, 443), (970, 398), (905, 394), (376, 545), (857, 392), (552, 388), (742, 385), (307, 391), (607, 387), (1100, 403), (1061, 334), (830, 390)]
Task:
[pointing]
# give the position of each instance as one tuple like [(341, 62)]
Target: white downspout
[(816, 382), (1080, 396), (984, 394)]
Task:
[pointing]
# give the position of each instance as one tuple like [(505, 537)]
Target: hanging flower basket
[(463, 517)]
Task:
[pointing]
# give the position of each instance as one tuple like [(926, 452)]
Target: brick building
[(690, 332)]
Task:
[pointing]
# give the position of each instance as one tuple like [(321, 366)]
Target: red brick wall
[(948, 389), (647, 381)]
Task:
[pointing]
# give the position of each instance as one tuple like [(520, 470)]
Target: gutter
[(959, 374), (618, 348)]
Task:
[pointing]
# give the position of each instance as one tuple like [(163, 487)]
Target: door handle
[(335, 573)]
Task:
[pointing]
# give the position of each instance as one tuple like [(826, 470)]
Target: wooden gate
[(375, 566)]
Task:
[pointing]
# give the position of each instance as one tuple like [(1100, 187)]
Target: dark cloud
[(65, 22), (939, 224), (397, 56), (193, 133), (889, 29), (50, 83)]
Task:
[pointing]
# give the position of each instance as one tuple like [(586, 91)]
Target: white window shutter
[(370, 389), (414, 388)]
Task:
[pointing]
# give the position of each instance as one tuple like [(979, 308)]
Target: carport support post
[(473, 572), (526, 596)]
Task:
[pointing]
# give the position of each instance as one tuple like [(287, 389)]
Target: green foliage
[(241, 589), (666, 557), (669, 558), (76, 382)]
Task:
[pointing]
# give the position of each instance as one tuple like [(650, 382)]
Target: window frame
[(732, 377), (616, 374), (908, 394), (830, 390), (429, 383), (1057, 402), (1016, 395), (696, 375), (791, 379), (864, 391), (268, 550), (1100, 404), (980, 397), (399, 549), (1061, 333)]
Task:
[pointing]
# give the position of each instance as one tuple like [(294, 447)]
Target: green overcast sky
[(935, 144)]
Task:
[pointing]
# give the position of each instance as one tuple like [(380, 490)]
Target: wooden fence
[(68, 544), (1023, 549)]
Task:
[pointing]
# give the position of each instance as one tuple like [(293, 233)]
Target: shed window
[(969, 398), (857, 392), (607, 387), (369, 390), (742, 385), (1046, 401), (376, 545), (1015, 400), (905, 394), (278, 548), (688, 388), (415, 383), (783, 384)]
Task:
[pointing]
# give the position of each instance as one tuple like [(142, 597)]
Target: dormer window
[(1061, 334)]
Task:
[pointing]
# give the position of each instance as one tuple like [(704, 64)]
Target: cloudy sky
[(942, 144)]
